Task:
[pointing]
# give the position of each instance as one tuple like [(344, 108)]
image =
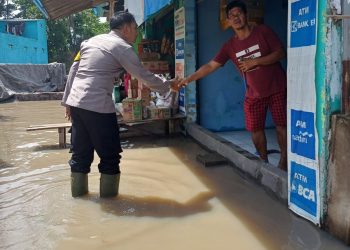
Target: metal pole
[(111, 8), (7, 9), (346, 60)]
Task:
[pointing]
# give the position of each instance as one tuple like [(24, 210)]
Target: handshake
[(177, 83)]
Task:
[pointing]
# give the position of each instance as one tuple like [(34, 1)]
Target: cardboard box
[(132, 93), (163, 65), (159, 112), (156, 65), (149, 56), (144, 94), (145, 114), (142, 86), (133, 84), (151, 65), (132, 109), (146, 102)]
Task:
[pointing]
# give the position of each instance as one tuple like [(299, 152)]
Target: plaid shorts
[(255, 110)]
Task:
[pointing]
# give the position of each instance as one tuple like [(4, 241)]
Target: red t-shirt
[(261, 81)]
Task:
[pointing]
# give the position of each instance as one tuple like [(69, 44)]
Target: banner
[(303, 163), (179, 26)]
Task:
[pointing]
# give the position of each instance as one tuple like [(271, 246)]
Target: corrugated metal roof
[(60, 8)]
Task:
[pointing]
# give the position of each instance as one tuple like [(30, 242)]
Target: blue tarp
[(152, 6)]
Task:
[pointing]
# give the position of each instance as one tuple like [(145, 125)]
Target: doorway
[(221, 94)]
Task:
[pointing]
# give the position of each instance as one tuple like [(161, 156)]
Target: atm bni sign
[(303, 133), (303, 23), (303, 188)]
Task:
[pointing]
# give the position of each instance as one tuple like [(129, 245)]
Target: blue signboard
[(182, 100), (303, 133), (180, 49), (303, 188), (303, 23)]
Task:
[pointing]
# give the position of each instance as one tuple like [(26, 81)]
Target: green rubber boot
[(79, 184), (109, 185)]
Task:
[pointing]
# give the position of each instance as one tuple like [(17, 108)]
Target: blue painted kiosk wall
[(29, 47), (221, 94)]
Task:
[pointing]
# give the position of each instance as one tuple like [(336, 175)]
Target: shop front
[(312, 32), (180, 36), (156, 49), (160, 47)]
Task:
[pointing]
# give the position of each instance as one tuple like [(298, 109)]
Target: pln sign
[(303, 133), (303, 23), (303, 188)]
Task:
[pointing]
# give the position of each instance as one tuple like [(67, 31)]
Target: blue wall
[(30, 47), (221, 94), (276, 17)]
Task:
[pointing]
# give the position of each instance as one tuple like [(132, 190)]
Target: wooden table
[(61, 127), (171, 121)]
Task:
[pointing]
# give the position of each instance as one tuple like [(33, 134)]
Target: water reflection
[(167, 200), (5, 118), (40, 148), (311, 239), (128, 205), (4, 164)]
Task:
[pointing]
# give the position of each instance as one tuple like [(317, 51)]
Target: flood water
[(167, 199)]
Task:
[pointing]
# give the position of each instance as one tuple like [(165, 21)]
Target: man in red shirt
[(256, 51)]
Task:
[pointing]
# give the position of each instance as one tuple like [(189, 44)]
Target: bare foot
[(283, 164)]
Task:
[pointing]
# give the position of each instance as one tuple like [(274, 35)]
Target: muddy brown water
[(167, 199)]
